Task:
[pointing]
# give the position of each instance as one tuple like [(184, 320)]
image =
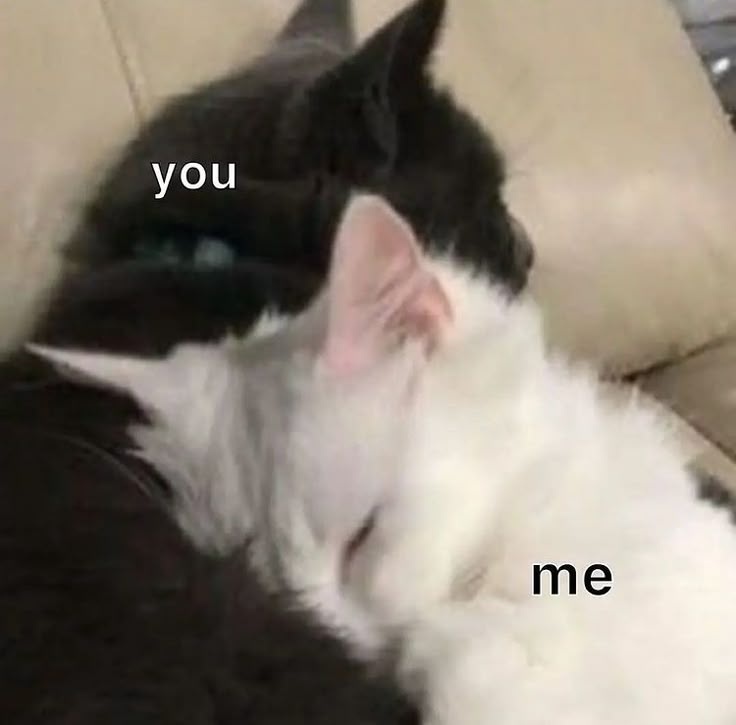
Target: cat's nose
[(523, 252)]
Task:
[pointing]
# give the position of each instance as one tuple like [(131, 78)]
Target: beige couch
[(614, 137)]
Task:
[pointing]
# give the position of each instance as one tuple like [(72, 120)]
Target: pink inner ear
[(379, 289)]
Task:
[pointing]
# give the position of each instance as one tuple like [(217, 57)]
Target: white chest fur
[(517, 460)]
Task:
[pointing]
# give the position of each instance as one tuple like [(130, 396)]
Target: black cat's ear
[(397, 54), (328, 20), (365, 92)]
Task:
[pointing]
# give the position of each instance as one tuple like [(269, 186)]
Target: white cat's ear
[(379, 288), (148, 381)]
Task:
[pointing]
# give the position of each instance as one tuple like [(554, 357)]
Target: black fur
[(330, 21), (306, 124), (107, 614), (146, 308), (713, 490)]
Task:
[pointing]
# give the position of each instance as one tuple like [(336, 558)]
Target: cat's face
[(376, 121), (296, 437)]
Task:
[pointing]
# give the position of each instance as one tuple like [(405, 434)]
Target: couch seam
[(693, 422), (125, 65)]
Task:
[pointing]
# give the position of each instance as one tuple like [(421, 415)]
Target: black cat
[(305, 124), (107, 613)]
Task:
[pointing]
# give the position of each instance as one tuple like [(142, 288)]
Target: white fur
[(488, 458), (192, 400), (516, 459)]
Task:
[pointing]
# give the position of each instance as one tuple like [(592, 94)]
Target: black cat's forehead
[(307, 123)]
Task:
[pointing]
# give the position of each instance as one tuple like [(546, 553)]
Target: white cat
[(406, 451)]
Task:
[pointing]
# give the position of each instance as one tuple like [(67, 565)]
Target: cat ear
[(329, 20), (379, 290), (364, 93), (400, 50), (148, 381)]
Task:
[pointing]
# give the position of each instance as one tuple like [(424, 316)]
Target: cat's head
[(306, 124), (377, 121), (295, 437)]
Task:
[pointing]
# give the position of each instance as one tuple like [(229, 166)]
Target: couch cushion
[(166, 49), (64, 104), (698, 397), (702, 390)]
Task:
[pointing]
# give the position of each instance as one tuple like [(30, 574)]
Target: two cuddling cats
[(399, 452), (404, 451)]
